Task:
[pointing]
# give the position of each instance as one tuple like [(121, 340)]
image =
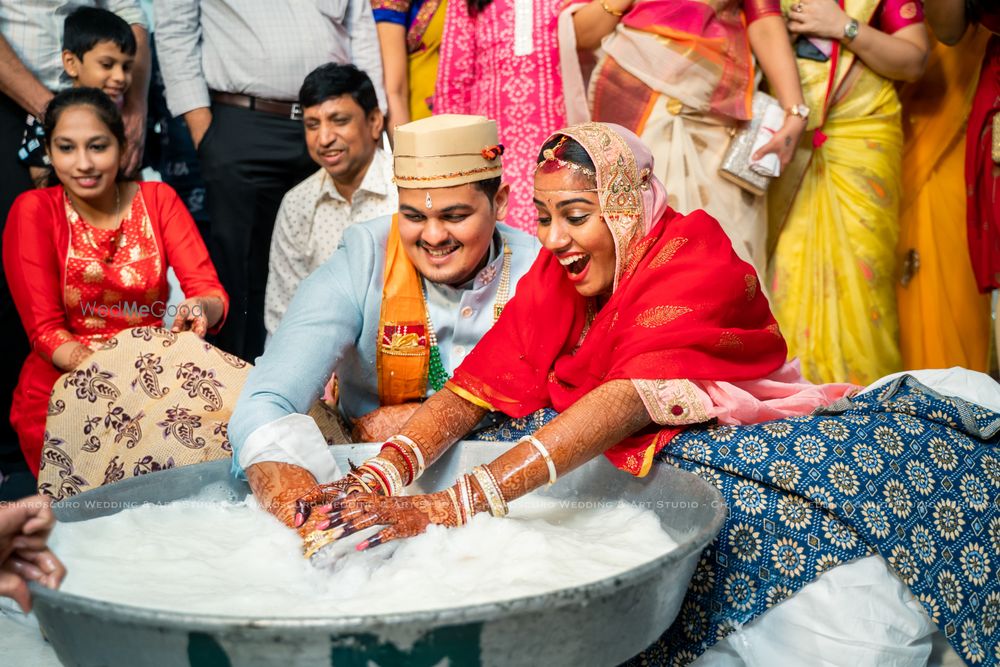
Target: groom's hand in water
[(277, 487)]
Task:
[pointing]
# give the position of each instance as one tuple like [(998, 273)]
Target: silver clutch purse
[(735, 165)]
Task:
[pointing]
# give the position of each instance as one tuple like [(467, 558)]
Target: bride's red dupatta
[(685, 307)]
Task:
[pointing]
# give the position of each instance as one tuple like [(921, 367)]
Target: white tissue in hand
[(769, 165)]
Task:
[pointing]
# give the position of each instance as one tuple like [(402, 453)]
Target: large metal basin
[(601, 623)]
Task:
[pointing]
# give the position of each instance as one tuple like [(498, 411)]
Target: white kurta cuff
[(291, 439)]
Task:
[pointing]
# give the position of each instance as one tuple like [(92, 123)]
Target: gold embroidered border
[(661, 396), (454, 174), (469, 396)]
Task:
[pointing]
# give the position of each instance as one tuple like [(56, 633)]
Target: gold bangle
[(537, 444), (613, 12), (465, 496), (494, 497), (454, 503), (361, 480)]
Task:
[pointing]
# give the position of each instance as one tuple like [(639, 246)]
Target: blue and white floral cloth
[(510, 429), (902, 472)]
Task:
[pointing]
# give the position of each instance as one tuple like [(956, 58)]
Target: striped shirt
[(262, 48), (35, 29)]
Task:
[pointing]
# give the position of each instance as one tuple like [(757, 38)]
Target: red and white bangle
[(415, 450), (386, 473), (411, 463)]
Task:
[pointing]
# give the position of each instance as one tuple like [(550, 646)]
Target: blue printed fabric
[(509, 429), (902, 472)]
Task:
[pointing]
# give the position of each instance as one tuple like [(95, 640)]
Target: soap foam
[(233, 559)]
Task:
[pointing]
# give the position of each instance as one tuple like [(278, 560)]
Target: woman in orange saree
[(950, 19), (943, 319)]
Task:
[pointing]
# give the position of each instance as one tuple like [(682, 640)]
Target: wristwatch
[(800, 110), (851, 30)]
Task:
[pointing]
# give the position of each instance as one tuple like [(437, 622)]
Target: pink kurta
[(491, 68)]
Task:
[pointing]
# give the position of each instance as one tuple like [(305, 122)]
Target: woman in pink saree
[(500, 59)]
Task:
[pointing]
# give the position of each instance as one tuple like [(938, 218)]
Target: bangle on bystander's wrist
[(614, 12)]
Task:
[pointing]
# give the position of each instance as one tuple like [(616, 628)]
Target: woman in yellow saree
[(837, 207), (943, 319), (409, 33)]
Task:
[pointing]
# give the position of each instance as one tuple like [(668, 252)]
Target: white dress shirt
[(34, 30), (262, 48), (310, 223)]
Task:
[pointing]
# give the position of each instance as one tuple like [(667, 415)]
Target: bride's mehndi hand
[(321, 496), (403, 516)]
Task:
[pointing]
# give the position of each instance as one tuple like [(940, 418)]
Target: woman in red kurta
[(88, 258)]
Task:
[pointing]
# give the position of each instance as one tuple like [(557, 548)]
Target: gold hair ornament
[(549, 155)]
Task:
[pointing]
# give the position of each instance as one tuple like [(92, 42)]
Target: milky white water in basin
[(233, 559)]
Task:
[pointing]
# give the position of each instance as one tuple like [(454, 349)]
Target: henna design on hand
[(321, 496), (277, 486), (403, 516), (440, 422), (601, 419)]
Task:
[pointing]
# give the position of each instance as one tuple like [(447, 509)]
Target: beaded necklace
[(437, 375)]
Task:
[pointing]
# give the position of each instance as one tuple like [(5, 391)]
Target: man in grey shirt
[(233, 70)]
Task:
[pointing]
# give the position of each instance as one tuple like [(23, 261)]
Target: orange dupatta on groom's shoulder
[(403, 351)]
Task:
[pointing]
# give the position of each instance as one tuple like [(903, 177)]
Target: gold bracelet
[(494, 497), (537, 444), (454, 503), (613, 12), (359, 478)]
